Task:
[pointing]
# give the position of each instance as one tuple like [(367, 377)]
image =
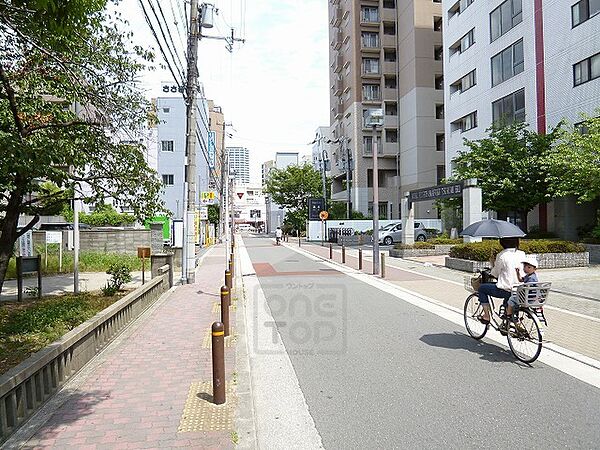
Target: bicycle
[(524, 334)]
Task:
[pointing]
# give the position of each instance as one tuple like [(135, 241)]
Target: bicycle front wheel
[(525, 337), (473, 310)]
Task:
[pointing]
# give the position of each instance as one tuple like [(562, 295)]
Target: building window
[(389, 3), (168, 180), (438, 52), (465, 83), (369, 14), (370, 65), (459, 7), (509, 109), (368, 145), (390, 82), (391, 109), (440, 174), (391, 136), (465, 123), (583, 10), (166, 110), (439, 111), (439, 142), (586, 70), (389, 29), (166, 146), (437, 23), (507, 63), (371, 92), (439, 82), (463, 43), (389, 55), (505, 17), (370, 40)]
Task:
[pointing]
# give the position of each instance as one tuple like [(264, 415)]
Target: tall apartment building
[(216, 144), (521, 60), (387, 54), (171, 158), (239, 163)]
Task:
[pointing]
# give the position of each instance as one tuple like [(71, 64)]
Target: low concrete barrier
[(414, 252), (545, 261), (26, 387), (358, 239)]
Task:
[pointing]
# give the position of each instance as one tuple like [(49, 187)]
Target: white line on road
[(578, 366), (282, 416)]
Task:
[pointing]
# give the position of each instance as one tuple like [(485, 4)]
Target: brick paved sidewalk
[(573, 331), (153, 388)]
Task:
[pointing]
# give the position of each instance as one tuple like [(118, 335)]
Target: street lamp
[(375, 119)]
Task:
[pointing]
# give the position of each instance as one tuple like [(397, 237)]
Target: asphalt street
[(379, 372)]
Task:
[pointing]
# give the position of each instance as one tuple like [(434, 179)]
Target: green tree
[(67, 91), (291, 188), (337, 210), (214, 213), (509, 166), (573, 165), (103, 215)]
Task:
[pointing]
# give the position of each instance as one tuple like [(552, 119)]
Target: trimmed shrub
[(488, 249), (445, 241), (416, 245)]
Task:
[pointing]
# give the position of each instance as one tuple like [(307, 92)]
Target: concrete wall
[(113, 241)]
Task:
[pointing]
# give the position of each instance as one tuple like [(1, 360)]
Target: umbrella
[(492, 228)]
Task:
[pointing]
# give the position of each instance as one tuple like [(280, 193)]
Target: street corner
[(300, 317)]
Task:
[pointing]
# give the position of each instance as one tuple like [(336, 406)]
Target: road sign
[(323, 215), (315, 206), (203, 210), (208, 197), (240, 195)]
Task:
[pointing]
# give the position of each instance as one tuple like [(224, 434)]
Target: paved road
[(378, 372)]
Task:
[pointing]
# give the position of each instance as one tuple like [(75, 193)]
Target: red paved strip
[(267, 270)]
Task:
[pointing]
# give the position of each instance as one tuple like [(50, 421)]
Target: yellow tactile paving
[(200, 414)]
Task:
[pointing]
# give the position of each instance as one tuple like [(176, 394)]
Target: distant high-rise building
[(239, 164), (266, 167), (386, 55)]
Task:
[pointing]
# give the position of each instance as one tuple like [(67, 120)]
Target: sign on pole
[(208, 197), (55, 237), (26, 244), (212, 137), (436, 192), (203, 210)]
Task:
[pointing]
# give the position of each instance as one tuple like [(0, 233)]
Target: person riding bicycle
[(278, 234), (530, 264), (505, 271)]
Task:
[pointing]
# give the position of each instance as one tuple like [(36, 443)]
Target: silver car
[(394, 234)]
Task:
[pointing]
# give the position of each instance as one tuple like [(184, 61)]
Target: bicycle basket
[(533, 294), (472, 283)]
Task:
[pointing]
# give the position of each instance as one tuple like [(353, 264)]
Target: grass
[(88, 262), (28, 326), (235, 438)]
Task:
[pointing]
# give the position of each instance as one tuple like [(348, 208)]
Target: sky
[(273, 88)]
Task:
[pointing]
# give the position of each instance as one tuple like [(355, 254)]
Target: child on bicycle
[(530, 264)]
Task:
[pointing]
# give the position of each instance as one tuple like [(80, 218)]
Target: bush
[(445, 241), (120, 275), (536, 233), (485, 250), (416, 245)]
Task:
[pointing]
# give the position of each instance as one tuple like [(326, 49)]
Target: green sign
[(166, 223)]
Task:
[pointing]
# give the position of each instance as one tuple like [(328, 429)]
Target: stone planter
[(594, 251), (545, 260), (414, 252)]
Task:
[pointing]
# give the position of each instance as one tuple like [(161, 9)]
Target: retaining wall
[(545, 261)]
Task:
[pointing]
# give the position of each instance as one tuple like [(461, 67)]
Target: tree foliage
[(67, 99), (338, 210), (103, 215), (291, 188), (574, 164), (510, 166)]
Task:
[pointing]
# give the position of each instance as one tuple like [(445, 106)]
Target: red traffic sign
[(323, 215)]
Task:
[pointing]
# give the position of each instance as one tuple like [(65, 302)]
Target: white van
[(244, 227)]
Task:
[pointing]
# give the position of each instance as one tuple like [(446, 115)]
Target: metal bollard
[(225, 303), (218, 363), (228, 279), (330, 252), (360, 259), (383, 265), (299, 245), (231, 265), (343, 254)]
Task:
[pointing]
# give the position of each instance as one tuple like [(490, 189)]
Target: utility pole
[(375, 204), (189, 247)]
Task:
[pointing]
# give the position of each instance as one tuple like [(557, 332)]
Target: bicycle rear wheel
[(473, 310), (525, 337)]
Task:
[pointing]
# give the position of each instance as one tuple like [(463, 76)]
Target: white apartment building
[(239, 164), (520, 60)]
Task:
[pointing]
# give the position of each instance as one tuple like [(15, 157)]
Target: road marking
[(578, 366), (555, 308), (282, 416)]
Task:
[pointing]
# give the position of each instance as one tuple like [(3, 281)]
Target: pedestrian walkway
[(569, 329), (151, 388)]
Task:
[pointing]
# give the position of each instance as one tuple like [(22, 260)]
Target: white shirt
[(507, 261), (278, 233)]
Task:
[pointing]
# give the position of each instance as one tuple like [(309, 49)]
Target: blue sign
[(212, 137)]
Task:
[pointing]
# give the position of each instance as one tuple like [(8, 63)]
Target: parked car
[(394, 234), (57, 226)]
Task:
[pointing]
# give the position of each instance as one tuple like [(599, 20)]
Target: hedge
[(485, 250), (416, 245)]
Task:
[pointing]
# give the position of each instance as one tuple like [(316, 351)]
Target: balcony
[(390, 93), (338, 39), (388, 14), (390, 121), (338, 87), (389, 67), (336, 15), (338, 63), (390, 149), (338, 110), (388, 40)]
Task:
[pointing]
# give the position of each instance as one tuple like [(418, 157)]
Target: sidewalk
[(152, 387), (574, 323)]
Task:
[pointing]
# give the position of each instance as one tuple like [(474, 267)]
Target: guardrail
[(26, 387)]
